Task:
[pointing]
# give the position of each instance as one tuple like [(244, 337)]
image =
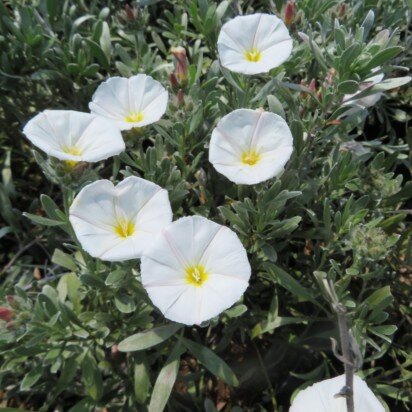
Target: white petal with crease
[(141, 206), (120, 98), (264, 34), (320, 397), (74, 136), (195, 242), (264, 134)]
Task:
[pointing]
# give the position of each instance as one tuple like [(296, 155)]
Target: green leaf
[(124, 302), (367, 24), (98, 53), (52, 6), (382, 57), (277, 322), (348, 87), (115, 277), (387, 84), (67, 374), (211, 362), (5, 230), (93, 281), (379, 299), (31, 378), (159, 43), (384, 329), (50, 207), (141, 378), (145, 340), (64, 260), (44, 221), (275, 106), (289, 283), (236, 311), (105, 40), (69, 286), (165, 381), (91, 377)]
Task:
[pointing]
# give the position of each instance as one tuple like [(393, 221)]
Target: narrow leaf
[(145, 340), (211, 362)]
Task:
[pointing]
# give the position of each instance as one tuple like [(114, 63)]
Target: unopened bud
[(173, 80), (180, 97), (342, 10), (114, 350), (312, 85), (5, 314), (290, 12), (37, 273), (130, 13), (181, 63)]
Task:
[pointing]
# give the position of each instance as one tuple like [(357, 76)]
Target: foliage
[(84, 334)]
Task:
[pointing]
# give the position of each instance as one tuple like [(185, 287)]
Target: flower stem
[(348, 361)]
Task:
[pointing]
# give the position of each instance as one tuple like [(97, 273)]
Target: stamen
[(134, 117), (253, 55), (196, 275), (74, 151), (124, 228), (250, 158)]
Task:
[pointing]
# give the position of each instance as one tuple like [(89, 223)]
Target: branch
[(347, 355)]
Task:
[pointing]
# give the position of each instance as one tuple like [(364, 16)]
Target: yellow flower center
[(134, 117), (196, 275), (72, 150), (250, 158), (70, 163), (253, 55), (124, 228)]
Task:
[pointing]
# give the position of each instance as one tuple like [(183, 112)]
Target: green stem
[(266, 376)]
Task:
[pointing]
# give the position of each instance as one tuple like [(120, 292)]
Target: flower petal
[(188, 242), (71, 135), (100, 208), (264, 34), (119, 97), (265, 134), (320, 397)]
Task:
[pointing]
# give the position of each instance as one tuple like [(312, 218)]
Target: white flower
[(367, 101), (320, 397), (250, 146), (254, 44), (194, 270), (74, 136), (116, 223), (130, 102)]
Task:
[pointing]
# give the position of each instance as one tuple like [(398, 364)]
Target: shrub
[(80, 333)]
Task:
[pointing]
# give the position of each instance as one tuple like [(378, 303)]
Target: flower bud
[(114, 350), (180, 97), (312, 85), (131, 14), (181, 64), (173, 80), (342, 10), (5, 314), (290, 12)]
